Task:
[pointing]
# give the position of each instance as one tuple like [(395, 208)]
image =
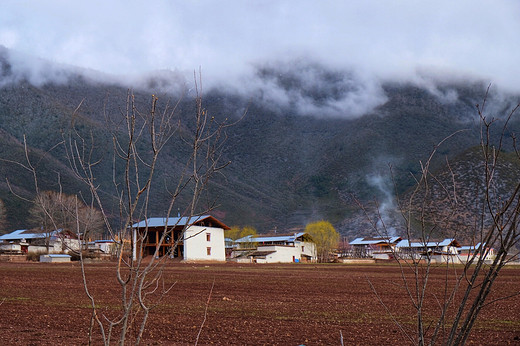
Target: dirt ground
[(45, 304)]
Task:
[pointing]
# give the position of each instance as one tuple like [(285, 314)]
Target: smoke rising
[(387, 208)]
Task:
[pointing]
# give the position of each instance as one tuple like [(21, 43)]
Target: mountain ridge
[(287, 168)]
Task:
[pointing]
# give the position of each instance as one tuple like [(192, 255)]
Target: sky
[(229, 39)]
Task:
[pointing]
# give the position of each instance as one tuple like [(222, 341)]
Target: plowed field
[(45, 304)]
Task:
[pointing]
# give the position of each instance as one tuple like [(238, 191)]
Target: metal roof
[(374, 240), (471, 247), (279, 238), (407, 243), (260, 253), (25, 234), (171, 221)]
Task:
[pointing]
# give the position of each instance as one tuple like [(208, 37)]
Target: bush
[(34, 256)]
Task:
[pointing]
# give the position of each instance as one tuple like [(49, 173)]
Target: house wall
[(445, 258), (282, 254), (196, 244), (465, 257), (107, 247), (57, 246), (309, 249), (70, 245), (53, 248), (10, 247), (286, 254)]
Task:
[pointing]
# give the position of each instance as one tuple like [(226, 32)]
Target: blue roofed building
[(295, 247), (196, 238), (25, 241), (373, 247)]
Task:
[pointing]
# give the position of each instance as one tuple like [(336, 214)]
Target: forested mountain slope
[(288, 166)]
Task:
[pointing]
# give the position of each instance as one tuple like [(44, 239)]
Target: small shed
[(55, 258)]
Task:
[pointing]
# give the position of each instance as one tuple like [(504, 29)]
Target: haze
[(229, 40)]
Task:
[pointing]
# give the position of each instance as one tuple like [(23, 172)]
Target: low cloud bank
[(300, 86)]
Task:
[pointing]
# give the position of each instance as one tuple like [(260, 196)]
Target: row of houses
[(201, 238), (24, 241), (197, 238), (192, 239), (442, 251)]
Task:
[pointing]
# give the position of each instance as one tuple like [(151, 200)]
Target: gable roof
[(260, 253), (472, 247), (26, 234), (421, 244), (290, 238), (375, 240), (177, 221)]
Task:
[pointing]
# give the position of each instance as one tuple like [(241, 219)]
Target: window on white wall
[(208, 236), (208, 251)]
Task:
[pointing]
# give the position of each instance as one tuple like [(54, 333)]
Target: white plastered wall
[(196, 244)]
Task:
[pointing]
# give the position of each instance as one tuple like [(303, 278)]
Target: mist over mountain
[(314, 139)]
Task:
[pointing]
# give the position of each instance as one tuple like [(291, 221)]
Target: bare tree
[(468, 287), (3, 215), (139, 139), (56, 211)]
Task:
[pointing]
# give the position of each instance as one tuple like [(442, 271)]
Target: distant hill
[(289, 166)]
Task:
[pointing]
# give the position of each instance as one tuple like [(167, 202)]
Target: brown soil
[(45, 304)]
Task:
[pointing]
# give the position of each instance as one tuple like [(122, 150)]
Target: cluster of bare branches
[(138, 139), (2, 214), (139, 151), (53, 210), (468, 286)]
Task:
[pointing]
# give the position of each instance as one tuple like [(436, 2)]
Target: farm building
[(196, 238), (465, 253), (297, 247), (24, 241), (55, 258), (103, 246), (437, 251), (373, 247)]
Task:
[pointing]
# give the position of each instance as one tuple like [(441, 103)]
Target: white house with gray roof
[(296, 247), (24, 241), (374, 247), (436, 251), (196, 238)]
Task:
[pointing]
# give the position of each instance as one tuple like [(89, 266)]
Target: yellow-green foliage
[(236, 232), (325, 237)]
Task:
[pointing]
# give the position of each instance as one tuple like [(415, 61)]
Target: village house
[(373, 247), (465, 253), (103, 246), (445, 251), (196, 238), (297, 247), (30, 241), (436, 251)]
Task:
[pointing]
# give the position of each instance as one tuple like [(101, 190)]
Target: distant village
[(202, 238)]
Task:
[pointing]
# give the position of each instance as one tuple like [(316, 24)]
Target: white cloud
[(384, 39)]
